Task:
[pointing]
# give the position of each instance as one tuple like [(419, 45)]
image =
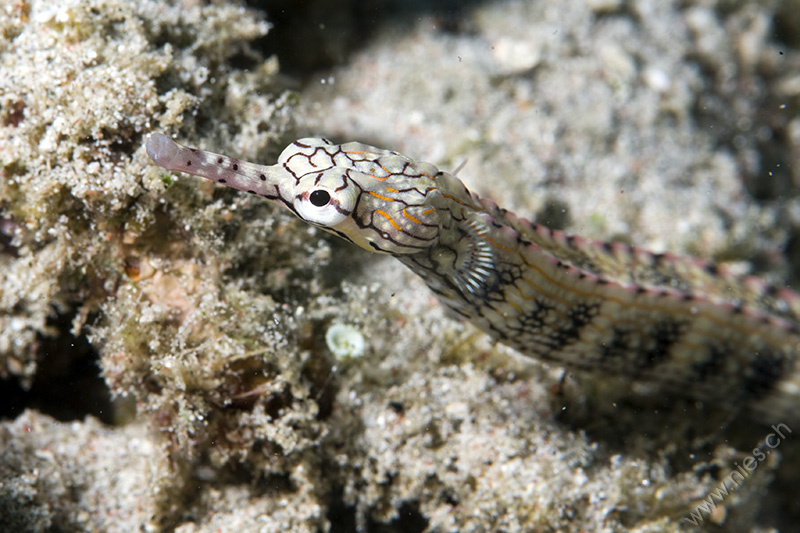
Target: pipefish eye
[(319, 198), (325, 206)]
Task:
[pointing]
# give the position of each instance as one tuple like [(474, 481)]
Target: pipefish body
[(678, 322)]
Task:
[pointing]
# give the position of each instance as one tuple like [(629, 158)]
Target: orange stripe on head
[(387, 217), (384, 198), (409, 217)]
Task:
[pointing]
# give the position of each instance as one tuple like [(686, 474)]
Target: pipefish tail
[(683, 324)]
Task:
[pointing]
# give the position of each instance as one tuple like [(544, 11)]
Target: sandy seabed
[(219, 406)]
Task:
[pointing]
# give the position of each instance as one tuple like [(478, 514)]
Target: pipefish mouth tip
[(161, 149)]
